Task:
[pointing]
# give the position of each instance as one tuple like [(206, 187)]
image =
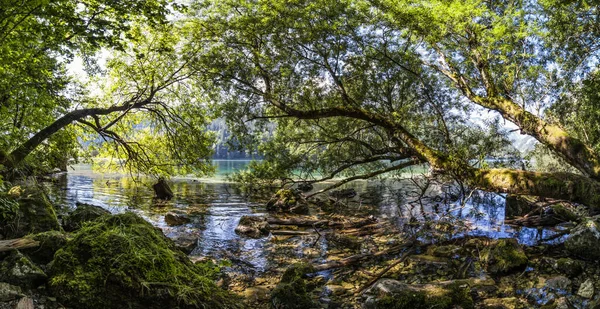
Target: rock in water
[(83, 213), (186, 243), (162, 190), (288, 200), (584, 240), (504, 255), (175, 219), (122, 261), (253, 226), (305, 186), (344, 193)]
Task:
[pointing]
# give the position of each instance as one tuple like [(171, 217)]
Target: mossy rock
[(19, 270), (294, 289), (504, 255), (392, 294), (570, 267), (34, 214), (584, 239), (50, 242), (83, 213), (122, 261)]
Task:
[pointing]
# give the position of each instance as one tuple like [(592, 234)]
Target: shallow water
[(217, 206)]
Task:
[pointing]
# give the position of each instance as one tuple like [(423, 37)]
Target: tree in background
[(354, 82)]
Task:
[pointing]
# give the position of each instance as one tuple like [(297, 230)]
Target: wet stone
[(175, 219), (253, 226), (186, 243)]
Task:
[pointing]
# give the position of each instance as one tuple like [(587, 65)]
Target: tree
[(39, 101), (353, 82)]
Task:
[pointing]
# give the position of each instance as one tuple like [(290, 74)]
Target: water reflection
[(217, 207)]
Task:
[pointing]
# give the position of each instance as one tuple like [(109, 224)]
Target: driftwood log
[(18, 243)]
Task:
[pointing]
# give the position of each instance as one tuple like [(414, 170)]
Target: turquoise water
[(228, 167)]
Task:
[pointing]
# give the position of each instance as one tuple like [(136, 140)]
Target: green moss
[(83, 213), (503, 256), (293, 291), (122, 261), (50, 242)]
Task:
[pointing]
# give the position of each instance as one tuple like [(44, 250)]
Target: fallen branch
[(354, 259), (19, 243), (383, 272), (322, 223), (290, 233)]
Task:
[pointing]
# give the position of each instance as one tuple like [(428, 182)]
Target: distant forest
[(225, 148)]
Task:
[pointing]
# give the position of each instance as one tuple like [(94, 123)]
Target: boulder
[(584, 240), (9, 292), (503, 255), (253, 226), (162, 190), (83, 213), (29, 213), (19, 270), (389, 293), (49, 242), (289, 201), (122, 261), (343, 193), (175, 219)]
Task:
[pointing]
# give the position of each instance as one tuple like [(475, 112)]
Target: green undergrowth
[(122, 261)]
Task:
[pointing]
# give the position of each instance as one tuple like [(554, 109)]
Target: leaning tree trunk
[(19, 154)]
